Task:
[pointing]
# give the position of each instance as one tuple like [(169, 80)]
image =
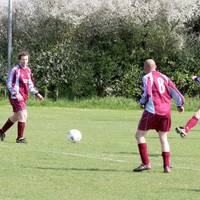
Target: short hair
[(23, 53), (150, 63)]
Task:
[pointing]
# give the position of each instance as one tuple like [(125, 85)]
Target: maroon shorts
[(17, 105), (154, 121)]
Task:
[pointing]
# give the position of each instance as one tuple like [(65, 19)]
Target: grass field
[(50, 167)]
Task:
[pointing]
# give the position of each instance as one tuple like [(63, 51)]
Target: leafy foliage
[(104, 54)]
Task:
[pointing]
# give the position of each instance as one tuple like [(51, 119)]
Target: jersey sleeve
[(11, 77), (197, 79), (175, 94), (144, 97)]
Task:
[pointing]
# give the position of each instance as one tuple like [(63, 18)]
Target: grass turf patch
[(50, 167), (117, 103)]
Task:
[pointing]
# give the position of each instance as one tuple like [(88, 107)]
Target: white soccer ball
[(74, 135)]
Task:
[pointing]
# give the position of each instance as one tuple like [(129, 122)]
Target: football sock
[(166, 158), (7, 125), (191, 123), (21, 127), (143, 153)]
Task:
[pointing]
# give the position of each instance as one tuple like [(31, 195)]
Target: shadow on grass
[(193, 190), (83, 169), (186, 189), (129, 171), (195, 130), (134, 153), (188, 137)]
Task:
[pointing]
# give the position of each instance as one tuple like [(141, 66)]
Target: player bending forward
[(19, 83), (193, 121), (158, 90)]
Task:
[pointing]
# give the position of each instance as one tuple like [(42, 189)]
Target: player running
[(19, 83), (158, 90), (193, 121)]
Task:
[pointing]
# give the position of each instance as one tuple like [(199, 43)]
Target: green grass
[(119, 103), (50, 167), (95, 102)]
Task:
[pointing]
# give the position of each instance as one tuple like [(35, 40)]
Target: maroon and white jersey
[(158, 90), (20, 82)]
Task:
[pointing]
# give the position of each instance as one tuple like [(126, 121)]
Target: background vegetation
[(101, 52)]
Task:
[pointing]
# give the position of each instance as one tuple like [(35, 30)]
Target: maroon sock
[(191, 123), (143, 153), (166, 159), (21, 126), (7, 125)]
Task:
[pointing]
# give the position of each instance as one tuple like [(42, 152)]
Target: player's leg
[(11, 120), (142, 147), (144, 125), (193, 121), (165, 150), (22, 116), (16, 105)]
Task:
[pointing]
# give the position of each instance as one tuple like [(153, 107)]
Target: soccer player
[(193, 121), (19, 83), (158, 90)]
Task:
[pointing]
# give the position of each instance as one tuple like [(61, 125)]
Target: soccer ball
[(74, 135)]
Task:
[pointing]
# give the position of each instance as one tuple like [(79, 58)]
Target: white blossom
[(76, 10)]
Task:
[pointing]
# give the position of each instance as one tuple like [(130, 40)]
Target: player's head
[(149, 65), (23, 58)]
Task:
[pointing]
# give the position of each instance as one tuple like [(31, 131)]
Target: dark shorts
[(154, 121), (17, 105)]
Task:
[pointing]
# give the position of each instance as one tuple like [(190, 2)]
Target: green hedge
[(103, 55)]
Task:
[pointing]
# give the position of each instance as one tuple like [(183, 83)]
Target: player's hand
[(39, 96), (194, 77), (19, 97), (142, 106), (180, 109)]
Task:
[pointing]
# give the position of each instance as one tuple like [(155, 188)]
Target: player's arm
[(12, 75), (196, 78), (144, 97), (177, 96)]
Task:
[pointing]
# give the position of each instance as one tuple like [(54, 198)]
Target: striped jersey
[(20, 82), (158, 90), (197, 79)]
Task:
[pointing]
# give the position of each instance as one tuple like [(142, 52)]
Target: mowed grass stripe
[(47, 168)]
